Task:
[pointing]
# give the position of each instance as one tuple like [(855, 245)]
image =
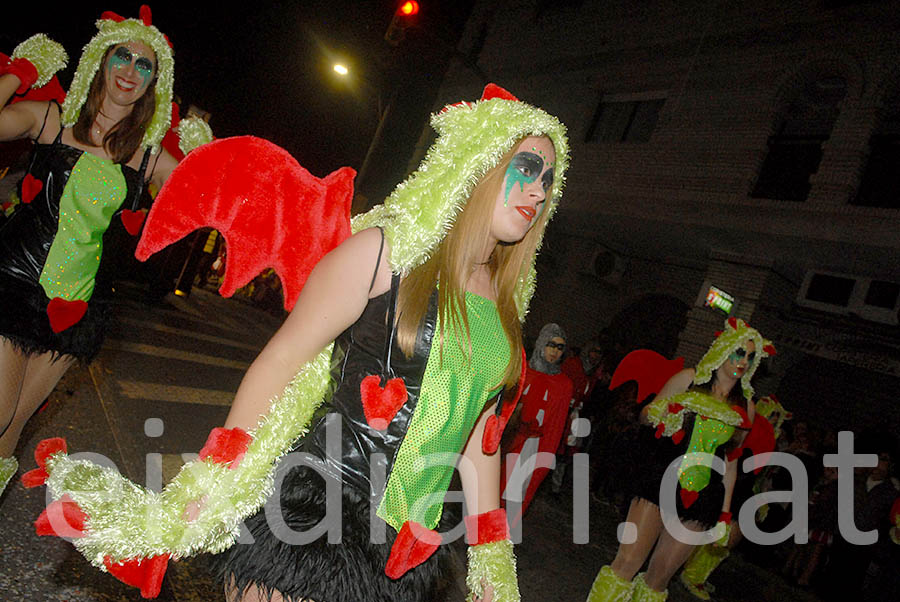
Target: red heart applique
[(414, 545), (132, 221), (493, 431), (43, 450), (62, 518), (31, 186), (64, 314), (688, 497), (380, 405), (144, 573), (226, 446)]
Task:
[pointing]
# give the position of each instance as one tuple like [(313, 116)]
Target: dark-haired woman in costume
[(92, 157)]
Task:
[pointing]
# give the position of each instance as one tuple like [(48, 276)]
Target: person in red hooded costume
[(545, 404)]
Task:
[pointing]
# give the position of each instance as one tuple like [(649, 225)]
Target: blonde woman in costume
[(454, 344), (92, 158)]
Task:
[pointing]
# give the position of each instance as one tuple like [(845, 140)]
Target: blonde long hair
[(450, 266)]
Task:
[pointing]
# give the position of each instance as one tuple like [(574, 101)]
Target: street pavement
[(165, 377)]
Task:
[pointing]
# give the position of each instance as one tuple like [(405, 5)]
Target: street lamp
[(384, 109)]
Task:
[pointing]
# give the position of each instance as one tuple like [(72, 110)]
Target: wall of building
[(678, 208)]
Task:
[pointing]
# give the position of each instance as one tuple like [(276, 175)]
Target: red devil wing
[(760, 441), (271, 211), (650, 369)]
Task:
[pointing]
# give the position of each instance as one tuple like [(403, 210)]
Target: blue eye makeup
[(524, 168), (547, 180), (739, 354), (144, 66), (122, 57)]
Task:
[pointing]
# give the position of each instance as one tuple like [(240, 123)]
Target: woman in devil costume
[(425, 302), (704, 410), (91, 160)]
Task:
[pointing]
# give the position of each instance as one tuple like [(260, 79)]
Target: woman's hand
[(193, 509), (488, 593)]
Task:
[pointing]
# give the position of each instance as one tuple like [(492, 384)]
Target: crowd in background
[(827, 563)]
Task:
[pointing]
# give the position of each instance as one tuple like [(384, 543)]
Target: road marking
[(174, 354), (187, 333), (212, 319), (135, 389)]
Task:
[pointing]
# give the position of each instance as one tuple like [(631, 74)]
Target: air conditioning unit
[(867, 298), (606, 266)]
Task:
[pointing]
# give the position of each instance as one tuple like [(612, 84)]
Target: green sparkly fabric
[(454, 391), (708, 435), (93, 193)]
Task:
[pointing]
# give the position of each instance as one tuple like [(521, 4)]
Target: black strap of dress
[(140, 186)]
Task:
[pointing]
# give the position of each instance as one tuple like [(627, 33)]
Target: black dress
[(651, 457), (353, 569), (25, 240)]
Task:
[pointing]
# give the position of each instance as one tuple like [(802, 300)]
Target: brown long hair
[(124, 138), (449, 269)]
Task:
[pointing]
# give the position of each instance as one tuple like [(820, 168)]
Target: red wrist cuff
[(725, 517), (24, 70), (226, 445), (487, 527)]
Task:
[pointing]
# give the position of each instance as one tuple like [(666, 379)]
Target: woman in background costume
[(542, 415), (704, 410), (92, 158), (423, 305)]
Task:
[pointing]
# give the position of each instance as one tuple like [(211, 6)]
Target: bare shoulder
[(26, 119), (165, 164), (365, 257), (678, 383)]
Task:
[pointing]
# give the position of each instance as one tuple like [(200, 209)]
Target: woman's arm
[(20, 120), (333, 298), (481, 486), (728, 481), (163, 168), (679, 383)]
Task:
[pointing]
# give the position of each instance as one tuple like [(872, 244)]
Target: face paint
[(547, 183), (524, 168), (738, 354), (123, 57)]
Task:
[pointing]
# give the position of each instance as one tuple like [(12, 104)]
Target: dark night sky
[(264, 68)]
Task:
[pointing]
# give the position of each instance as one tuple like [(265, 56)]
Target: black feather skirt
[(24, 322), (349, 571)]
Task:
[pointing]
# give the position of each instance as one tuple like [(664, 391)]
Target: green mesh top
[(92, 195), (454, 391)]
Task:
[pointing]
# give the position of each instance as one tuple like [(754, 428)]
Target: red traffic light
[(408, 9), (404, 17)]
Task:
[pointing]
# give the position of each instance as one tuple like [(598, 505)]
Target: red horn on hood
[(108, 14)]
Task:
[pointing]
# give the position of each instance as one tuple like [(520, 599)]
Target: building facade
[(752, 147)]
